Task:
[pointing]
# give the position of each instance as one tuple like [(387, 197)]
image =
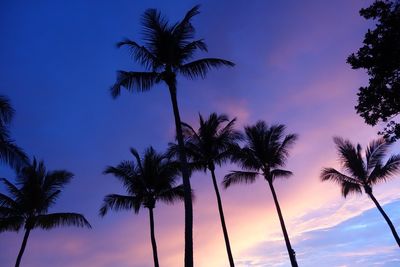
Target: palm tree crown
[(265, 153), (146, 180), (28, 205), (168, 50), (212, 144), (362, 172), (10, 153)]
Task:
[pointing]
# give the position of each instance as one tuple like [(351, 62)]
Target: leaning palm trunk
[(185, 179), (222, 217), (153, 238), (23, 246), (388, 221), (285, 234)]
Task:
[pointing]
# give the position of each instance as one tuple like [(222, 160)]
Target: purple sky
[(58, 60)]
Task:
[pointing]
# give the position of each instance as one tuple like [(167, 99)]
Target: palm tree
[(265, 152), (211, 145), (10, 153), (167, 51), (27, 205), (148, 180), (363, 173)]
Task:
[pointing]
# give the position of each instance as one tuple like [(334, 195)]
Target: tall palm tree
[(211, 145), (265, 152), (363, 173), (146, 180), (28, 202), (167, 51), (10, 153)]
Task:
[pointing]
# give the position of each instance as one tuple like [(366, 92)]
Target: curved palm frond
[(170, 196), (11, 223), (382, 173), (134, 80), (200, 68), (52, 220), (55, 180), (350, 188), (12, 189), (332, 174), (350, 157), (375, 152), (141, 54), (278, 173), (188, 51), (12, 154), (119, 202), (6, 111), (237, 177)]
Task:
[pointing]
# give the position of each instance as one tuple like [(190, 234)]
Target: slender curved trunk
[(221, 216), (388, 221), (290, 250), (21, 251), (153, 238), (186, 181)]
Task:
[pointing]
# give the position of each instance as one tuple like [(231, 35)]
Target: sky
[(58, 61)]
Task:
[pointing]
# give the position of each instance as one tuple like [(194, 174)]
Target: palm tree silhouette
[(27, 205), (146, 181), (363, 173), (211, 145), (167, 51), (10, 153), (265, 152)]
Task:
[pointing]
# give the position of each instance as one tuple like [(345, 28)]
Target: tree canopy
[(379, 101)]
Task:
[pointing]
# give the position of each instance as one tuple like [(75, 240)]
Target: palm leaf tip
[(236, 177), (52, 220)]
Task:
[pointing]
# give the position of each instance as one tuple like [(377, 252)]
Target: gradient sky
[(58, 60)]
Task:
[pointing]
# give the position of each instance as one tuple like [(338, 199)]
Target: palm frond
[(55, 180), (183, 30), (11, 154), (8, 202), (382, 173), (172, 195), (350, 188), (375, 152), (350, 157), (236, 177), (52, 220), (12, 189), (6, 111), (133, 80), (331, 174), (278, 173), (141, 54), (200, 68), (188, 51), (119, 202), (11, 223)]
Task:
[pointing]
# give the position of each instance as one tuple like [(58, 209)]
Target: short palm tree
[(211, 145), (146, 180), (264, 154), (28, 202), (363, 173), (167, 52), (10, 153)]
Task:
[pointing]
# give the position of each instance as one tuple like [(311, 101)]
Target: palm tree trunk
[(21, 251), (388, 221), (221, 216), (290, 250), (185, 180), (153, 238)]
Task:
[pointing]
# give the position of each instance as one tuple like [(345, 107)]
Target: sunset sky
[(58, 61)]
